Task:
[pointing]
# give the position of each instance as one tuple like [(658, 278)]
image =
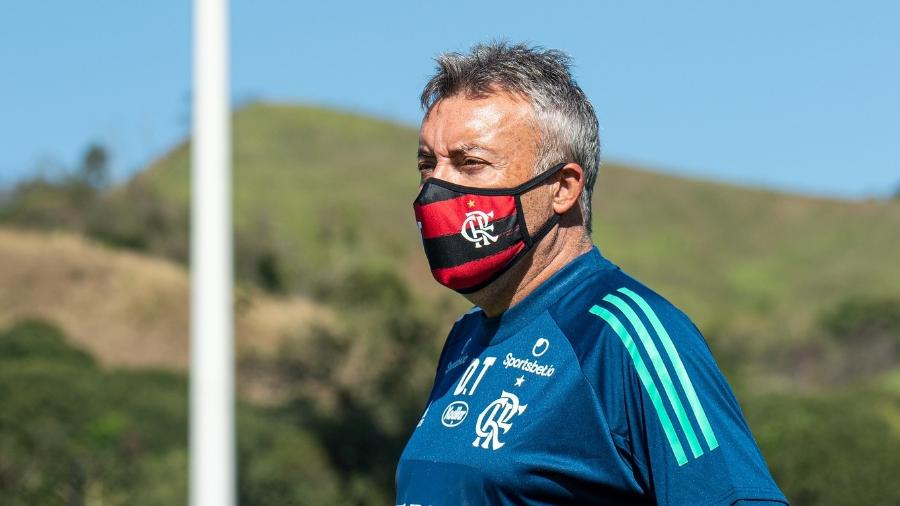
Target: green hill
[(327, 186), (798, 297)]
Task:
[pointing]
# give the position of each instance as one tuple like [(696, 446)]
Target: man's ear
[(568, 188)]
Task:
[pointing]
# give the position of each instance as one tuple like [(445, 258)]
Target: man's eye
[(473, 161), (424, 166)]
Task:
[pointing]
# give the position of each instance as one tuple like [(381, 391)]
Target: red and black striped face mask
[(473, 235)]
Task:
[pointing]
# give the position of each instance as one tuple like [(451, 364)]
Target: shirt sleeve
[(683, 428)]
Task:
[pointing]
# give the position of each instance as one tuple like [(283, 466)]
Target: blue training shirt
[(591, 390)]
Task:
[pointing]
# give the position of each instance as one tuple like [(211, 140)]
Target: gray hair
[(562, 112)]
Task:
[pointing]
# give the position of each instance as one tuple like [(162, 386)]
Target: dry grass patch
[(127, 309)]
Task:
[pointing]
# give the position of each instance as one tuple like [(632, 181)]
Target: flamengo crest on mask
[(476, 227)]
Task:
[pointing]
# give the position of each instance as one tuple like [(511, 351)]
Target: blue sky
[(798, 96)]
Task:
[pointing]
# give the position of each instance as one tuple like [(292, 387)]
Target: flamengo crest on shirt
[(476, 228), (495, 419)]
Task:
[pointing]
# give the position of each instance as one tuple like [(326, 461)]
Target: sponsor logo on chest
[(456, 363), (454, 414), (528, 365), (463, 356)]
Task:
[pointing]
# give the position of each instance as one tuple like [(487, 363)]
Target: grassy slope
[(748, 258), (126, 309), (745, 260)]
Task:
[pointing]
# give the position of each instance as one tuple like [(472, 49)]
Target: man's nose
[(445, 171)]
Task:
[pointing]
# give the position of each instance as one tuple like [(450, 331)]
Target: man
[(569, 382)]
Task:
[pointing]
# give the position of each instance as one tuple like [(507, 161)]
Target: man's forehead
[(459, 122)]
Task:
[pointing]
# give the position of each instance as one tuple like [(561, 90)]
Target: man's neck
[(553, 253)]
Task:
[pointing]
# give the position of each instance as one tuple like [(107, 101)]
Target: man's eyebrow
[(459, 149), (468, 148)]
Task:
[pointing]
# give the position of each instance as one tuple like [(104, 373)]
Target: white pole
[(212, 432)]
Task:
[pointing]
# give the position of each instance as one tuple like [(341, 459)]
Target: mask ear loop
[(546, 227), (526, 237)]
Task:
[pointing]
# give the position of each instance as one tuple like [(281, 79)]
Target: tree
[(94, 170)]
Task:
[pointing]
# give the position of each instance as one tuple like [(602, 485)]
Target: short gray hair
[(563, 113)]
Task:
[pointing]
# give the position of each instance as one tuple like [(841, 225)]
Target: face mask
[(473, 235)]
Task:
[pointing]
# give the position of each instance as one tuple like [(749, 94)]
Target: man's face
[(488, 142), (485, 142)]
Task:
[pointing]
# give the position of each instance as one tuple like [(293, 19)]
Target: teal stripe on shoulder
[(677, 364), (646, 379), (661, 371)]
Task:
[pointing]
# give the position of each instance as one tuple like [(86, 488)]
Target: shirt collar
[(497, 328)]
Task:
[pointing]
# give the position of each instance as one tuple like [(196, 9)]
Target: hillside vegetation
[(319, 189), (125, 308), (73, 432), (339, 323)]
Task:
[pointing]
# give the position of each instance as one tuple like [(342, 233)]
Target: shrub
[(38, 339), (832, 449)]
